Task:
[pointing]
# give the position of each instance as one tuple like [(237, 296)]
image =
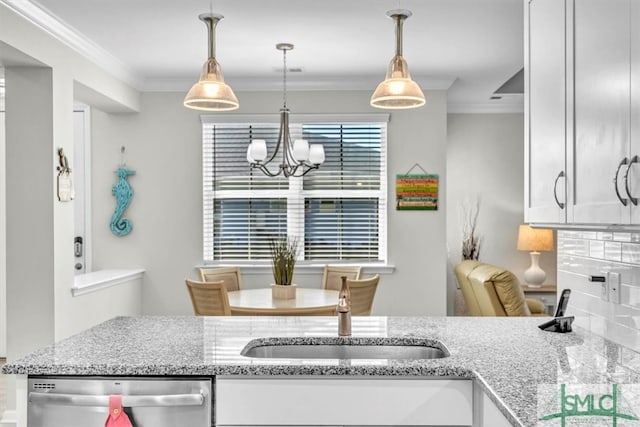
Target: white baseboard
[(9, 419)]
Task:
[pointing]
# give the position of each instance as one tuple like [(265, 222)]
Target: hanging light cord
[(399, 18), (284, 78)]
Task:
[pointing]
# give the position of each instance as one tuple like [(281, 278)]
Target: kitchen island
[(518, 367)]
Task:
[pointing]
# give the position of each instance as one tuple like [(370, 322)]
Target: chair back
[(331, 279), (462, 271), (230, 275), (491, 290), (362, 293), (208, 298)]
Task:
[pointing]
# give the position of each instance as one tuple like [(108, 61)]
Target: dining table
[(261, 302)]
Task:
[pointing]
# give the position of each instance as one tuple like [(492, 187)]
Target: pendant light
[(211, 93), (398, 91), (296, 159)]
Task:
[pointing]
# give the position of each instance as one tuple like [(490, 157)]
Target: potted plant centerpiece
[(284, 251)]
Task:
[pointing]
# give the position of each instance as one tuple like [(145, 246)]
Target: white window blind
[(337, 213)]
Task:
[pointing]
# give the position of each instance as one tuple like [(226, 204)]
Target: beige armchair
[(494, 291)]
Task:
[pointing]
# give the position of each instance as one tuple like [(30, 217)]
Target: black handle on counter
[(597, 279), (558, 324)]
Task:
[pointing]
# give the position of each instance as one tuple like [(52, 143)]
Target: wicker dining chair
[(231, 276), (362, 293), (209, 298), (331, 278)]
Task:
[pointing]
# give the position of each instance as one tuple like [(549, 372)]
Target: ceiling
[(469, 46)]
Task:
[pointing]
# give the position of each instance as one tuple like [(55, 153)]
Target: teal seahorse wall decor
[(123, 194)]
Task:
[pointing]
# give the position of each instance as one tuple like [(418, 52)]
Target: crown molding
[(485, 108), (45, 20)]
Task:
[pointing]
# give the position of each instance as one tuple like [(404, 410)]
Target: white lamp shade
[(301, 150), (249, 158), (316, 154), (257, 150)]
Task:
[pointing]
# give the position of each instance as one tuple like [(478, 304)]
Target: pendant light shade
[(211, 93), (398, 91)]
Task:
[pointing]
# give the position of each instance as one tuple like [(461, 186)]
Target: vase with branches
[(470, 240), (284, 251)]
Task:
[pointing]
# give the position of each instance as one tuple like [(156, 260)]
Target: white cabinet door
[(633, 173), (545, 101), (273, 401), (601, 110)]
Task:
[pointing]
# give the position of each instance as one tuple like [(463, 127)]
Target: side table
[(547, 294)]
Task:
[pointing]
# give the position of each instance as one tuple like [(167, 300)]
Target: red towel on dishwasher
[(117, 417)]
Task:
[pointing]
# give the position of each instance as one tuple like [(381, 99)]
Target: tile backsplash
[(612, 254)]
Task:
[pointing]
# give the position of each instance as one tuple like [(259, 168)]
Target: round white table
[(260, 302)]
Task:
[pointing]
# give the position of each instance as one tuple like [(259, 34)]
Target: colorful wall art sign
[(417, 192)]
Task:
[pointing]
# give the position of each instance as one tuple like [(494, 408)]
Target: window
[(336, 213)]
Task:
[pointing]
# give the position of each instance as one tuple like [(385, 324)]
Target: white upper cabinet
[(582, 107), (545, 103), (632, 190), (601, 147)]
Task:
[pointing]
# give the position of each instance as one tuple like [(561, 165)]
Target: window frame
[(297, 227)]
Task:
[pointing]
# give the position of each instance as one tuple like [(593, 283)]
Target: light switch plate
[(614, 287), (604, 289)]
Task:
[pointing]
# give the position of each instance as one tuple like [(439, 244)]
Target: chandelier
[(210, 92), (398, 91), (296, 159)]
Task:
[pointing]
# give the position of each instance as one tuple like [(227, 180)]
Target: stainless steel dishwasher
[(149, 402)]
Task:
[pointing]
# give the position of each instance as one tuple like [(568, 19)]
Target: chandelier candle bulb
[(316, 154), (257, 151), (301, 150)]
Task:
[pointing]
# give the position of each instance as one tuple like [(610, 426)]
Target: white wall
[(39, 102), (39, 236), (163, 144), (3, 241), (485, 155), (585, 253)]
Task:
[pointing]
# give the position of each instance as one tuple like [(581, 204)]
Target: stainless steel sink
[(345, 350)]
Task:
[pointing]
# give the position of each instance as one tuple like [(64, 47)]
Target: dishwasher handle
[(127, 400)]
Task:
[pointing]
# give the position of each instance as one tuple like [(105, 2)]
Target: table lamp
[(535, 240)]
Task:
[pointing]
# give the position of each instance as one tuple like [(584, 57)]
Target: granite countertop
[(517, 364)]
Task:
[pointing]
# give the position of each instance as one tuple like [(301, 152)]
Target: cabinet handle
[(615, 181), (634, 200), (196, 399), (555, 189)]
